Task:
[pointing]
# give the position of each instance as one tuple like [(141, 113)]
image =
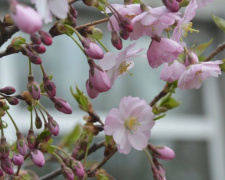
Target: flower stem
[(57, 157), (31, 119), (42, 69), (56, 147), (30, 68), (149, 158), (76, 42), (86, 152), (2, 132), (102, 45), (14, 124), (41, 113), (42, 107)]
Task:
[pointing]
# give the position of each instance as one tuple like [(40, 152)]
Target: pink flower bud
[(25, 18), (62, 105), (12, 100), (8, 90), (124, 34), (49, 86), (31, 139), (165, 153), (7, 165), (172, 5), (67, 172), (73, 11), (53, 126), (1, 172), (46, 38), (4, 148), (99, 79), (116, 40), (33, 88), (39, 48), (36, 39), (34, 58), (92, 49), (79, 169), (92, 93), (17, 159), (127, 25), (21, 144), (37, 157)]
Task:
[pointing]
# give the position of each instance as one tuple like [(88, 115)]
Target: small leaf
[(136, 2), (202, 47), (159, 117), (220, 22), (44, 134)]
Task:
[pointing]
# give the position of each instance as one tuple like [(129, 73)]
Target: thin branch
[(90, 172), (91, 23), (9, 31), (160, 95), (219, 48), (57, 172)]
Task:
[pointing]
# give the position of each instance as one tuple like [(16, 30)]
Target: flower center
[(199, 77), (132, 123), (188, 27), (123, 68)]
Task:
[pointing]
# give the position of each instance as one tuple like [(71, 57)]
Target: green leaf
[(168, 102), (159, 117), (202, 47), (18, 41), (73, 136), (184, 3), (220, 22), (44, 134), (81, 99)]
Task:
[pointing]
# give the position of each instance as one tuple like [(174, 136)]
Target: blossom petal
[(138, 140), (59, 8)]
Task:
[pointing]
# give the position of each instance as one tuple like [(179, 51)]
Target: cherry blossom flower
[(25, 17), (202, 3), (58, 7), (120, 64), (126, 11), (184, 25), (172, 71), (130, 124), (163, 50), (195, 74), (152, 22)]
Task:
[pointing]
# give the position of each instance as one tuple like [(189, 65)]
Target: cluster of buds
[(6, 92), (72, 167)]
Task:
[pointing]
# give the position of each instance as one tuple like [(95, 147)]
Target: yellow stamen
[(188, 27), (123, 68), (131, 123)]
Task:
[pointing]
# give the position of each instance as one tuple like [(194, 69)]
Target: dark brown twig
[(160, 95), (218, 49)]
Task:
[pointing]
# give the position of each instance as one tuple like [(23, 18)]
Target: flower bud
[(46, 38), (124, 34), (98, 78), (172, 5), (38, 122), (37, 157), (8, 20), (127, 25), (17, 159), (39, 48), (12, 100), (78, 169), (36, 39), (92, 49), (7, 166), (49, 86), (164, 153), (73, 11), (72, 20), (62, 105), (25, 96), (33, 88), (4, 148), (8, 90), (53, 126), (25, 17), (21, 144), (33, 57), (101, 174), (1, 173), (31, 139), (116, 40), (92, 93), (67, 172)]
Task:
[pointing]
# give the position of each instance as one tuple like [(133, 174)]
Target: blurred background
[(194, 130)]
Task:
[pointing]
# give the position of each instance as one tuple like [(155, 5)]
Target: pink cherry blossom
[(184, 25), (126, 11), (152, 22), (172, 71), (130, 124), (120, 64), (195, 74), (58, 7), (25, 18), (166, 50)]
